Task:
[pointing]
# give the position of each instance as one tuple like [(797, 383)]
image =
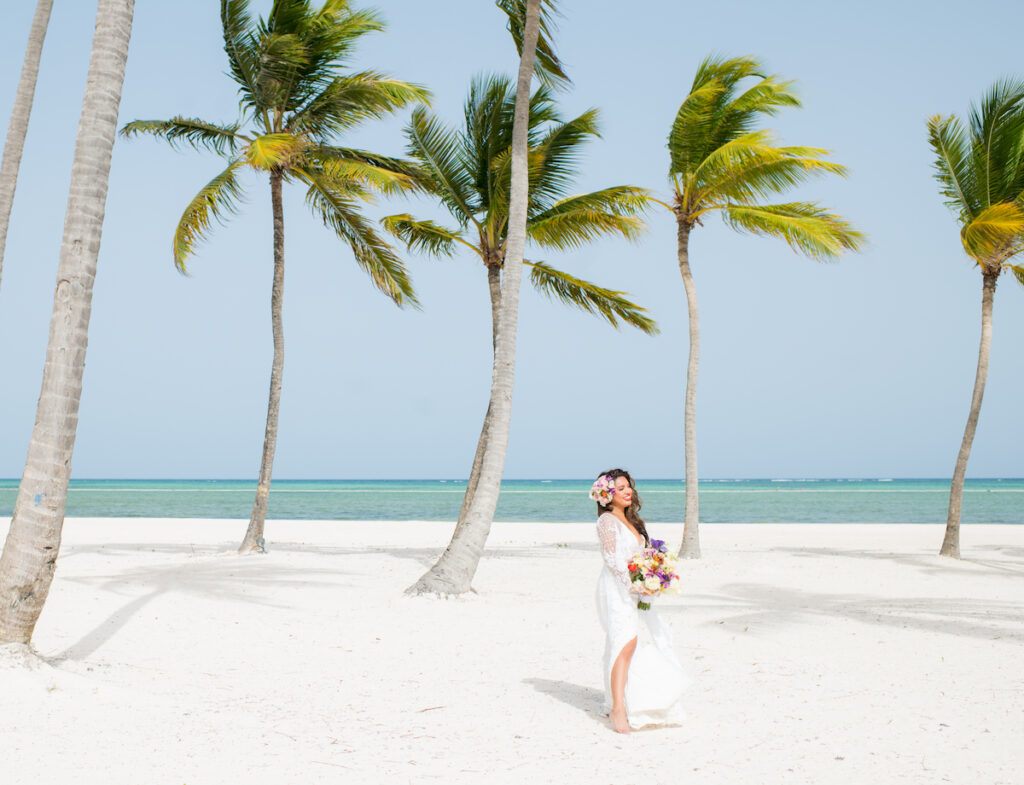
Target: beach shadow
[(586, 699), (228, 577), (1010, 560), (764, 605)]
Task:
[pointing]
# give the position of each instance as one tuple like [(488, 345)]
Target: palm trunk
[(494, 286), (15, 141), (30, 552), (254, 534), (453, 572), (951, 541), (690, 549)]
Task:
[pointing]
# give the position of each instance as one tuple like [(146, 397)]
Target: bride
[(643, 684)]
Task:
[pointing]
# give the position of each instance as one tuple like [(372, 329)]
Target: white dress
[(655, 681)]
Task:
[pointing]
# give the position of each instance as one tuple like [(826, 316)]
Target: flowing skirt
[(656, 681)]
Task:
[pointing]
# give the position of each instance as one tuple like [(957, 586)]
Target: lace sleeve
[(606, 534)]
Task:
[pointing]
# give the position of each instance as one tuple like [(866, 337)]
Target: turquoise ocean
[(721, 501)]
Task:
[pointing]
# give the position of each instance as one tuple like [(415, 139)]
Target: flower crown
[(603, 490)]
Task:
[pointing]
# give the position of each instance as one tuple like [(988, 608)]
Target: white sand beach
[(821, 654)]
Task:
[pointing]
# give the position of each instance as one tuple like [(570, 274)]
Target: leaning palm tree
[(33, 540), (469, 172), (14, 143), (297, 98), (980, 170), (454, 570), (720, 161)]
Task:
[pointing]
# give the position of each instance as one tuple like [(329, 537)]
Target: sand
[(821, 654)]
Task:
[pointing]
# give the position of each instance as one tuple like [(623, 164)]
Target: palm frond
[(422, 236), (347, 101), (335, 31), (713, 114), (952, 165), (1018, 273), (199, 134), (808, 228), (490, 111), (275, 151), (997, 133), (752, 166), (371, 252), (575, 220), (241, 48), (376, 173), (765, 97), (547, 66), (437, 149), (689, 139), (994, 232), (612, 306), (283, 60), (217, 199), (554, 162)]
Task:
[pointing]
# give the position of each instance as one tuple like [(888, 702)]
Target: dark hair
[(633, 510)]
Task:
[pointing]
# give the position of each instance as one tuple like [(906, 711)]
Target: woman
[(642, 686)]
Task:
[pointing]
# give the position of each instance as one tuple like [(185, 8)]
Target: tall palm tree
[(469, 171), (297, 98), (980, 170), (720, 161), (18, 127), (454, 570), (33, 540)]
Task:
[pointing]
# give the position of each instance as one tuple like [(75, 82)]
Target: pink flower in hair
[(602, 490)]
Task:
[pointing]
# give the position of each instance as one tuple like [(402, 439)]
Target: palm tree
[(33, 540), (16, 131), (454, 570), (469, 172), (980, 170), (720, 161), (297, 98)]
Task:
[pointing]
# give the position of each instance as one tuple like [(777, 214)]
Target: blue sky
[(860, 368)]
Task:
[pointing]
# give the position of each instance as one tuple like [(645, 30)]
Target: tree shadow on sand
[(998, 559), (765, 605), (230, 578)]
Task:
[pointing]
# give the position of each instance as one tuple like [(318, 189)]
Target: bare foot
[(619, 721)]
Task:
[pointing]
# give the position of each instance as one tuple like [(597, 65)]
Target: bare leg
[(618, 683)]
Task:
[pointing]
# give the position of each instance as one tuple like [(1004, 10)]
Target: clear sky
[(860, 368)]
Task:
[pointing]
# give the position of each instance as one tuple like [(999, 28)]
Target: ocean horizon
[(723, 500)]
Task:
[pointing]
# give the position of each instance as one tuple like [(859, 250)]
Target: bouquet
[(654, 568)]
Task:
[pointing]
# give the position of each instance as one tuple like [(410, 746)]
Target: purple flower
[(658, 545)]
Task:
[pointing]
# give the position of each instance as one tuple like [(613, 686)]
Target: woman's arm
[(606, 534)]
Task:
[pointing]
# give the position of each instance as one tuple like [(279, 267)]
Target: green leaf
[(437, 149), (995, 232), (715, 112), (573, 221), (547, 66), (752, 166), (199, 134), (808, 228), (421, 236), (275, 151), (554, 162), (241, 47), (375, 256), (953, 165), (613, 306), (1018, 273), (217, 199), (347, 101)]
